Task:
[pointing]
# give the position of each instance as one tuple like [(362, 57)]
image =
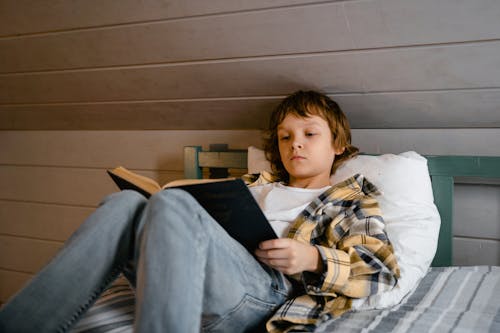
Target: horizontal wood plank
[(26, 255), (430, 68), (425, 68), (41, 221), (68, 186), (469, 252), (477, 211), (11, 282), (425, 109), (26, 17), (429, 141), (143, 150), (465, 166), (388, 23), (152, 115)]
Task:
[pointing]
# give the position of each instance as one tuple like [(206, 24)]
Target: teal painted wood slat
[(464, 166), (442, 188), (192, 167), (443, 170)]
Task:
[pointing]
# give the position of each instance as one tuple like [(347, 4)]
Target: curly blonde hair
[(305, 104)]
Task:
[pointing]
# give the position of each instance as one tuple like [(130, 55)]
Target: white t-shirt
[(282, 204)]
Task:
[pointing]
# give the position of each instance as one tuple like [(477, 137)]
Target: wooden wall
[(86, 85), (222, 64)]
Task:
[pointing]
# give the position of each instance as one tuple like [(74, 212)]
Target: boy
[(335, 246), (190, 275)]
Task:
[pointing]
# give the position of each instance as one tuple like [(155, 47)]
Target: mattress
[(448, 299)]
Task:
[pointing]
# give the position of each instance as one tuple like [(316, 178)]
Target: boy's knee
[(117, 211), (173, 199), (174, 205), (122, 205), (126, 196)]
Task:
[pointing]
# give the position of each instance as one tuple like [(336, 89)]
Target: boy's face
[(306, 150)]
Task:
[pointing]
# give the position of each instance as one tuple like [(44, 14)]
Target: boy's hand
[(289, 256)]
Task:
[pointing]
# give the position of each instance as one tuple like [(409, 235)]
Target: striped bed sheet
[(448, 299), (113, 312)]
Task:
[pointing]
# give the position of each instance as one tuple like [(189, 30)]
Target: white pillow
[(407, 203)]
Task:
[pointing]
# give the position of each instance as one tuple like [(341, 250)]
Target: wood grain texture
[(424, 68), (10, 282), (53, 222), (68, 186), (392, 22), (19, 17), (140, 150), (429, 141), (423, 109), (469, 252), (285, 30), (477, 215), (224, 64), (30, 254), (220, 114)]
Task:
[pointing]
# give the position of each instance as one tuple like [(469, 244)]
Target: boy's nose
[(297, 145)]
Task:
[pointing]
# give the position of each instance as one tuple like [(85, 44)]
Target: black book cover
[(232, 205)]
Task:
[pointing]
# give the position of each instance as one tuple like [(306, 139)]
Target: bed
[(435, 296)]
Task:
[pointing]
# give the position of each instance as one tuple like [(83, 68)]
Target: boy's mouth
[(297, 157)]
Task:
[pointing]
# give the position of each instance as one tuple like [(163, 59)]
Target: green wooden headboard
[(443, 170)]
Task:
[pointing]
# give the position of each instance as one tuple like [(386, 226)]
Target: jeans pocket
[(248, 315)]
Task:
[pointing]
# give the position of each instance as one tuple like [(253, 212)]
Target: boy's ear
[(339, 151)]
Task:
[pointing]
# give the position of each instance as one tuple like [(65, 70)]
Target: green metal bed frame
[(443, 171)]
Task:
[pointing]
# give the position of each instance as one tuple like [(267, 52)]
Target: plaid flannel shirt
[(346, 226)]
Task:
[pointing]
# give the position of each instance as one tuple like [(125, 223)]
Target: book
[(227, 200), (128, 180)]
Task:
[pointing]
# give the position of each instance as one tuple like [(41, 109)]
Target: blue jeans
[(189, 275)]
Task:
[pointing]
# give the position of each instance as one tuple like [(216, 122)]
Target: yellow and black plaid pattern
[(346, 226)]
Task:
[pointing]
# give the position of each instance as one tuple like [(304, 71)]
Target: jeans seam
[(246, 298), (278, 282), (93, 297), (280, 291)]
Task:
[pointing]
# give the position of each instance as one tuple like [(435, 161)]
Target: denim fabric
[(188, 273)]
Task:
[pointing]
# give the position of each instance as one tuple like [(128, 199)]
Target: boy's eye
[(284, 138), (310, 134)]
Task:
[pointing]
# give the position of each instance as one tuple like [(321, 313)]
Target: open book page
[(126, 179), (182, 182)]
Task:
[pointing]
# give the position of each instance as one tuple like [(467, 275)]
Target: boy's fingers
[(274, 243), (271, 254)]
